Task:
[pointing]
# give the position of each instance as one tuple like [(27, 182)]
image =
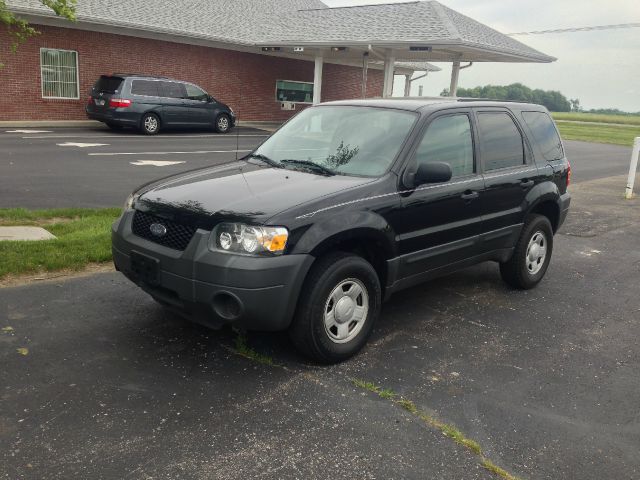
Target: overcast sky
[(601, 68)]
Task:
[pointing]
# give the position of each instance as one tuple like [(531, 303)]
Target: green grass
[(614, 134), (597, 117), (84, 237), (241, 348), (447, 429)]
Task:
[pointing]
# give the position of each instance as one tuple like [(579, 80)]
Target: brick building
[(256, 55)]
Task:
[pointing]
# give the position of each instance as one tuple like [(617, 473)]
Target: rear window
[(500, 140), (148, 88), (545, 134), (107, 84)]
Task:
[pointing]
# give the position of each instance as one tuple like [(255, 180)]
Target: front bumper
[(214, 288)]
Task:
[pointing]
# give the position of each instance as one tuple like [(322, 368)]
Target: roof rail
[(136, 75)]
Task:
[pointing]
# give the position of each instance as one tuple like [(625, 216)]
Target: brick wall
[(245, 81)]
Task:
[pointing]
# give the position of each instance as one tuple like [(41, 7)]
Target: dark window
[(545, 134), (448, 139), (195, 93), (173, 90), (148, 88), (301, 92), (501, 141), (107, 84)]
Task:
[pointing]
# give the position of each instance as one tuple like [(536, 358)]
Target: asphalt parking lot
[(97, 381), (95, 167)]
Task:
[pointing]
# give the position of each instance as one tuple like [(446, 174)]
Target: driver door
[(441, 222)]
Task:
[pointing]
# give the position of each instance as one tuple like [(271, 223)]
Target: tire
[(527, 266), (150, 124), (335, 276), (115, 127), (223, 123)]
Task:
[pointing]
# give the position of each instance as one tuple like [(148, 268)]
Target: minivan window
[(545, 134), (448, 139), (147, 88), (106, 84), (347, 140), (195, 93), (173, 90), (500, 140)]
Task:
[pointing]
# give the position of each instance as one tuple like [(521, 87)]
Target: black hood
[(240, 191)]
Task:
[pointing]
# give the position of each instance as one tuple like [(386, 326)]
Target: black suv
[(152, 103), (346, 204)]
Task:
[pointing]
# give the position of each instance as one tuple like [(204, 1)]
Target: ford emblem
[(158, 229)]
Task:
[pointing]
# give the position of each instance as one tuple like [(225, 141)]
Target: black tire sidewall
[(345, 268)]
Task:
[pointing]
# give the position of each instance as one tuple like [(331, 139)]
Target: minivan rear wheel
[(223, 123), (340, 301), (150, 124)]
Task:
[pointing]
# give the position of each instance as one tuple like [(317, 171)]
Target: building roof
[(448, 34)]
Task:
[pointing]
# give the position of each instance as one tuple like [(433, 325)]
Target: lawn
[(84, 237), (591, 127)]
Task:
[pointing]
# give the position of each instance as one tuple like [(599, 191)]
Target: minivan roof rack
[(136, 75)]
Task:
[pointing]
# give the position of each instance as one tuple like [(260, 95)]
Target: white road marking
[(140, 137), (82, 145), (196, 152), (28, 131), (155, 163)]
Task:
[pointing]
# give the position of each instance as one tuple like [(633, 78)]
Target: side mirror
[(436, 172), (210, 99)]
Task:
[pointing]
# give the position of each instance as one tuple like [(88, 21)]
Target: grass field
[(84, 237), (590, 127)]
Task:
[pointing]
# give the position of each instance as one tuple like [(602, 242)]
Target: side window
[(501, 141), (195, 93), (448, 139), (173, 90), (145, 87), (545, 134)]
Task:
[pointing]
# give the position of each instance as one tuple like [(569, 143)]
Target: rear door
[(146, 92), (106, 88), (509, 172), (174, 112), (441, 222)]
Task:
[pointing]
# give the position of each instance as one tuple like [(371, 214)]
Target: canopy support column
[(389, 67), (365, 73), (317, 80), (407, 85), (455, 73)]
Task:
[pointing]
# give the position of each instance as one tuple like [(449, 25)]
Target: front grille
[(177, 237)]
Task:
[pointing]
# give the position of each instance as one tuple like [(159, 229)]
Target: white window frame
[(289, 101), (77, 76)]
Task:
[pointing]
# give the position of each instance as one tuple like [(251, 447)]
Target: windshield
[(361, 141)]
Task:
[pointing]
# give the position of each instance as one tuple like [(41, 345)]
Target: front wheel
[(531, 256), (223, 123), (340, 302)]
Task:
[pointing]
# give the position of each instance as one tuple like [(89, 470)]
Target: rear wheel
[(150, 124), (223, 123), (339, 304), (532, 254)]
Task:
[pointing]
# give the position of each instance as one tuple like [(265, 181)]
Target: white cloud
[(601, 68)]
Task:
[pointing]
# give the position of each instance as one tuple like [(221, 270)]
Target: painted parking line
[(28, 131), (144, 137), (155, 163), (82, 145), (194, 152)]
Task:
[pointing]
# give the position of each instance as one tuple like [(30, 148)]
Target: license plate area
[(99, 102), (146, 268)]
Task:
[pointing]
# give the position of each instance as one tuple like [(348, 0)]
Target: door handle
[(526, 183), (469, 195)]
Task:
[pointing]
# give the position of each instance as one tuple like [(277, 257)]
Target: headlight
[(248, 239), (128, 204)]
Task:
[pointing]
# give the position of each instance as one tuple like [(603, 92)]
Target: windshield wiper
[(309, 164), (265, 159)]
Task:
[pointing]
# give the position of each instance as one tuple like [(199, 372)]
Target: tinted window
[(145, 87), (195, 93), (448, 139), (545, 134), (173, 90), (107, 84), (501, 141)]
